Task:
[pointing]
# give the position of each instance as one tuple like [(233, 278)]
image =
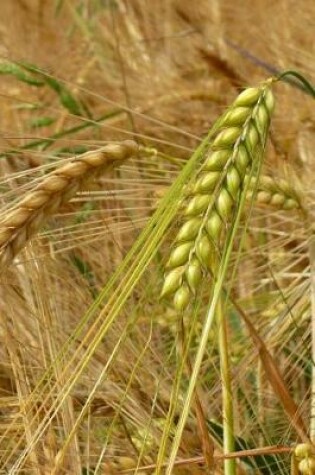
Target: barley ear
[(28, 215), (277, 193), (215, 192)]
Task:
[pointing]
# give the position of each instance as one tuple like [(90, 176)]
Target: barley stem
[(209, 320), (204, 436), (227, 402)]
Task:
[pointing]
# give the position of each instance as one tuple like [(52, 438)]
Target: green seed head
[(236, 116), (204, 251), (248, 98), (217, 160), (252, 137), (277, 199), (233, 181), (198, 204), (194, 274), (182, 298), (209, 204), (172, 281), (269, 100), (207, 182), (189, 230), (179, 255), (224, 203), (227, 138), (214, 226), (242, 159), (290, 204)]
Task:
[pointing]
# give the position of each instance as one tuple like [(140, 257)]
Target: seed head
[(209, 205)]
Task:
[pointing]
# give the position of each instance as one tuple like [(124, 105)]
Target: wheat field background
[(96, 367)]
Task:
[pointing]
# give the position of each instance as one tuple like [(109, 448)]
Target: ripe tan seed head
[(46, 198)]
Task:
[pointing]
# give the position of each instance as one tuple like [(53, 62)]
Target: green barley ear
[(277, 193), (216, 190)]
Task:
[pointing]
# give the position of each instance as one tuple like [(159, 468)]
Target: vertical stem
[(203, 433), (221, 269), (227, 402), (261, 409)]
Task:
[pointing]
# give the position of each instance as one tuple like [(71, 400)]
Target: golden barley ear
[(218, 183), (29, 215)]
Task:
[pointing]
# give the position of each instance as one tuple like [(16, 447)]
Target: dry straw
[(209, 206), (29, 214)]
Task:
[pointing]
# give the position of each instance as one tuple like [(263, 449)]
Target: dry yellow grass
[(168, 68)]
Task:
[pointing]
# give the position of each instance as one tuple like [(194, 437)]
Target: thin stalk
[(260, 399), (227, 402), (194, 376), (203, 433), (176, 391), (210, 318)]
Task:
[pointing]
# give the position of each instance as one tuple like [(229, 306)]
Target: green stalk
[(227, 402), (202, 429), (210, 318)]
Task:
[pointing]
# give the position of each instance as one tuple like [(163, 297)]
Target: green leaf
[(69, 102), (75, 150), (17, 71), (66, 98), (46, 142), (85, 212), (85, 270), (41, 122)]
